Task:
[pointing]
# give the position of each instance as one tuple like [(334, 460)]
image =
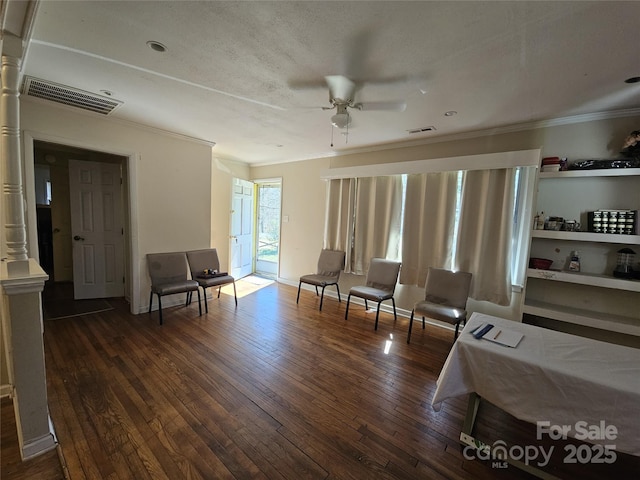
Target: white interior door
[(96, 229), (241, 231)]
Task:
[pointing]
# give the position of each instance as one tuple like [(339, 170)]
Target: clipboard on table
[(503, 336)]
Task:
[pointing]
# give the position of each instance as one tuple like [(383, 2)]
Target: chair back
[(201, 260), (447, 288), (167, 267), (383, 274), (331, 262)]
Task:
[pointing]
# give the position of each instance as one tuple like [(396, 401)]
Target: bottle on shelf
[(540, 222), (574, 262)]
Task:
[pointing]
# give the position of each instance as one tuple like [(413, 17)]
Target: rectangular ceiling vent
[(73, 97), (422, 130)]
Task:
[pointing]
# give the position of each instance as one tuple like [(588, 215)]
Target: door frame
[(129, 179), (257, 183)]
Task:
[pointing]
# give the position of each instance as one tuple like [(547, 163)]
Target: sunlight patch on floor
[(247, 285)]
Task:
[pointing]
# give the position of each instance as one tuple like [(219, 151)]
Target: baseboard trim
[(38, 446)]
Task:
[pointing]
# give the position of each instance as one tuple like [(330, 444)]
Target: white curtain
[(377, 221), (363, 218), (429, 221), (338, 227), (485, 231)]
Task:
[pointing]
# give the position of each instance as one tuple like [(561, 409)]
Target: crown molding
[(518, 127)]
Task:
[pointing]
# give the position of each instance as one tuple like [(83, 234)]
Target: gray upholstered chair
[(380, 285), (330, 263), (169, 275), (207, 260), (445, 298)]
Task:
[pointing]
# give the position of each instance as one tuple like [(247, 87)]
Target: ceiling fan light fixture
[(341, 120)]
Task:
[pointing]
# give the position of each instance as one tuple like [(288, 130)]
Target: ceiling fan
[(342, 92)]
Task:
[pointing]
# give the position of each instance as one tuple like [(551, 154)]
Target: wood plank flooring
[(46, 466), (269, 390)]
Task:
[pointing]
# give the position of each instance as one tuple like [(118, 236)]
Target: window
[(464, 220)]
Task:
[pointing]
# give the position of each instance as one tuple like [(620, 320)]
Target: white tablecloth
[(550, 376)]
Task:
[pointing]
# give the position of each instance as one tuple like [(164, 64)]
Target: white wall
[(170, 182), (303, 201), (181, 192), (303, 192), (222, 175)]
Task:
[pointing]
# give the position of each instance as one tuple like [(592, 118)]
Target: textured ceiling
[(249, 76)]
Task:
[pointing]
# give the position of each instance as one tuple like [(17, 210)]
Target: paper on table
[(503, 336)]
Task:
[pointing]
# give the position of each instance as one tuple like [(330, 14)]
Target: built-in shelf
[(604, 321), (595, 280), (603, 172), (587, 237), (567, 297)]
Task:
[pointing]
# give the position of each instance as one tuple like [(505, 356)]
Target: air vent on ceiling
[(74, 97), (421, 130)]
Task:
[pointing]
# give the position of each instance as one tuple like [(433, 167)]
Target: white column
[(21, 303), (22, 281), (12, 191)]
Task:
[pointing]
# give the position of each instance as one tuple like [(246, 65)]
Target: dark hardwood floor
[(268, 390), (46, 466)]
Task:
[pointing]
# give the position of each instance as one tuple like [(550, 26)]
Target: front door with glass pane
[(268, 227)]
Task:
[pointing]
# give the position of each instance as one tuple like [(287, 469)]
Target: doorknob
[(78, 238)]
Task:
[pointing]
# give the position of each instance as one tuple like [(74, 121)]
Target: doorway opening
[(268, 208), (54, 214)]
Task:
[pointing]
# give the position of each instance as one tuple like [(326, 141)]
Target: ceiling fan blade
[(386, 106), (340, 87), (311, 107)]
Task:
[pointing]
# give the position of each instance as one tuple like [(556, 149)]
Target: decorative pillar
[(12, 191), (21, 281), (21, 299)]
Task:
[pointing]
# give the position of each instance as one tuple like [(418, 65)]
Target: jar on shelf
[(624, 263)]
